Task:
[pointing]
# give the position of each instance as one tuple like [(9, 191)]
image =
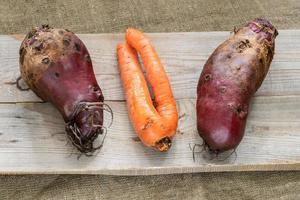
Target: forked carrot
[(155, 125)]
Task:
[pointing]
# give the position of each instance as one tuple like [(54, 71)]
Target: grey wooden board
[(32, 138)]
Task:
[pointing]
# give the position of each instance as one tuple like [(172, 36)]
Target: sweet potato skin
[(56, 65), (229, 79)]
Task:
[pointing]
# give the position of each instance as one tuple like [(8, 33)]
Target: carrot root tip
[(163, 144)]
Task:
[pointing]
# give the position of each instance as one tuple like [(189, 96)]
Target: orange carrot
[(155, 126)]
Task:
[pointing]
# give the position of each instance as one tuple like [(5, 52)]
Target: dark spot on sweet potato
[(66, 42), (228, 56), (45, 61), (261, 61), (207, 77), (77, 47), (95, 88), (238, 67), (243, 44), (13, 141), (242, 113), (61, 32), (223, 89), (239, 109), (56, 74), (22, 55), (18, 117), (87, 58)]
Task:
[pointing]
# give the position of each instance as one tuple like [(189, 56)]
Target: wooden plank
[(32, 138), (183, 55), (32, 141)]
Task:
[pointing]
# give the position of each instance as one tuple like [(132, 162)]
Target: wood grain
[(32, 141), (32, 138)]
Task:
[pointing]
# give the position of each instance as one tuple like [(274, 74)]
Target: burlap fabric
[(105, 16)]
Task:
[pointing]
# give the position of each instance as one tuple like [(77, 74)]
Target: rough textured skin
[(57, 67), (229, 79)]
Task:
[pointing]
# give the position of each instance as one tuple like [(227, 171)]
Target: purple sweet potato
[(230, 77), (56, 65)]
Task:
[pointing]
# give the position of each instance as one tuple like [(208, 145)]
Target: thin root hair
[(18, 85)]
